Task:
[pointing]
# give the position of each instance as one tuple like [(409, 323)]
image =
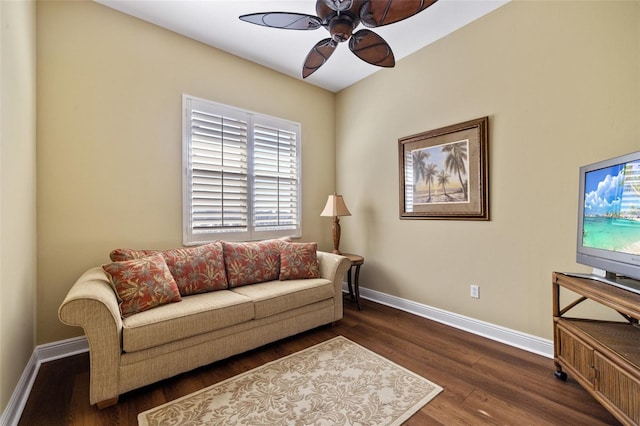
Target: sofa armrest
[(333, 267), (92, 304)]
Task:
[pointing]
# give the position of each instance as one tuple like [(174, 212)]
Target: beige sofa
[(143, 348)]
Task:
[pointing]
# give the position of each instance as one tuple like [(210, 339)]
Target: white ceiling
[(216, 23)]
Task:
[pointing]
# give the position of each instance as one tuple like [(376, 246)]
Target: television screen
[(612, 208), (609, 219)]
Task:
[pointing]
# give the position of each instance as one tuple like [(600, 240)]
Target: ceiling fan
[(340, 18)]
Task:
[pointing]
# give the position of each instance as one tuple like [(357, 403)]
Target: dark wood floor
[(485, 383)]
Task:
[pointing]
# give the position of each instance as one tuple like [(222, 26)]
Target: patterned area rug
[(337, 382)]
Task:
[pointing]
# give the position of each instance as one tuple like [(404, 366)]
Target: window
[(241, 174)]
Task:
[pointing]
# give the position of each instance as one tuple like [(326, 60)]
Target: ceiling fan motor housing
[(341, 28)]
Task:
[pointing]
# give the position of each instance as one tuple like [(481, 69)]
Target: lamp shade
[(335, 207)]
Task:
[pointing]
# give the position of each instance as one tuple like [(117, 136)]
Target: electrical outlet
[(475, 291)]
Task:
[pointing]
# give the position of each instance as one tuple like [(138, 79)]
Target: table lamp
[(335, 207)]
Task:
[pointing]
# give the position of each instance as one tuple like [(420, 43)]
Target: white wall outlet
[(475, 291)]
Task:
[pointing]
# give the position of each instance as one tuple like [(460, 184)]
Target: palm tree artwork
[(432, 171), (456, 161), (430, 174), (443, 180)]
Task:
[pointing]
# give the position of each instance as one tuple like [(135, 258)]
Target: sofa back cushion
[(195, 269), (251, 262), (142, 284), (298, 261)]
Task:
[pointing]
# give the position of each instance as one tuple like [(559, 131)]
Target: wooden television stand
[(603, 356)]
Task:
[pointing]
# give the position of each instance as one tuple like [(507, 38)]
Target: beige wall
[(558, 79), (560, 83), (17, 191), (109, 138)]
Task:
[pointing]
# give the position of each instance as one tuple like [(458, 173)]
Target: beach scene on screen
[(612, 208)]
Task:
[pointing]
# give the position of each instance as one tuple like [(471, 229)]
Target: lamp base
[(336, 235)]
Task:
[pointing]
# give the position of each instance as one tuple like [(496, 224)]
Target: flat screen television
[(609, 220)]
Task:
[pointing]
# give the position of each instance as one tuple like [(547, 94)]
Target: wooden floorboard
[(485, 382)]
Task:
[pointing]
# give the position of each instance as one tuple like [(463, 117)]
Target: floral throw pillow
[(197, 269), (299, 261), (142, 284), (120, 255), (251, 262)]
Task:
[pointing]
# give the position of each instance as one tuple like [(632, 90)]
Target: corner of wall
[(17, 191)]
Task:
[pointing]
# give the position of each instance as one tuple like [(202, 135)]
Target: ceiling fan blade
[(285, 20), (318, 56), (372, 48), (376, 13)]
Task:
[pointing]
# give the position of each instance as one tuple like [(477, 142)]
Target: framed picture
[(444, 172)]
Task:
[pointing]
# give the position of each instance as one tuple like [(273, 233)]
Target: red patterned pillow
[(120, 255), (142, 284), (299, 261), (197, 269), (251, 262)]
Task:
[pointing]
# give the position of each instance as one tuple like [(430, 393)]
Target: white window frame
[(192, 235)]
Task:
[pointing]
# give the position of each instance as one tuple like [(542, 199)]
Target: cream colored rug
[(337, 382)]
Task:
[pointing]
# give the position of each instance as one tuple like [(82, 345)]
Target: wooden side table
[(354, 290)]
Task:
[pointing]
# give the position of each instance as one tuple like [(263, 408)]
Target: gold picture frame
[(444, 172)]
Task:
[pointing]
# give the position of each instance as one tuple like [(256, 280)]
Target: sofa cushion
[(142, 284), (251, 262), (196, 314), (298, 261), (195, 269), (274, 297)]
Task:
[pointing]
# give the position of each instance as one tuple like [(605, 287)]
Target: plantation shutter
[(276, 176), (241, 174), (218, 157)]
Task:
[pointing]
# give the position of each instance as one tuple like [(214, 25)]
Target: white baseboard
[(13, 410), (498, 333), (62, 349), (42, 353), (76, 345)]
